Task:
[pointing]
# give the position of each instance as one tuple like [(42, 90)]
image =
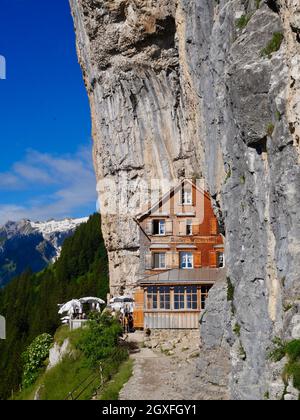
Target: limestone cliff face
[(181, 87)]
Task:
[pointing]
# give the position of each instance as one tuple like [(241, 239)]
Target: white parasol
[(121, 299), (122, 304), (70, 306), (92, 300)]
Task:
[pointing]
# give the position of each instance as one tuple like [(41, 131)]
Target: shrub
[(230, 294), (228, 175), (34, 357), (100, 340), (237, 330), (292, 368), (279, 351), (270, 129), (242, 353), (293, 350), (277, 115), (243, 21), (273, 45), (287, 307), (230, 290)]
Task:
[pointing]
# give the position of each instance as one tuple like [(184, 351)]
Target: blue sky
[(45, 162)]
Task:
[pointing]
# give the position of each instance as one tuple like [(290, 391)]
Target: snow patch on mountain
[(25, 244), (56, 231), (53, 226)]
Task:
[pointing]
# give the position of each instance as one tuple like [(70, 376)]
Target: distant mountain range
[(33, 245)]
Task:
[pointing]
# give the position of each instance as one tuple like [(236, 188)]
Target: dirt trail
[(163, 375)]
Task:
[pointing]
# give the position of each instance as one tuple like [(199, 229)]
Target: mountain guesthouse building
[(182, 256)]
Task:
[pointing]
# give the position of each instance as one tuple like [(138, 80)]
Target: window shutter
[(169, 227), (175, 260), (169, 260), (197, 259), (138, 313), (182, 227), (213, 259), (194, 195), (213, 226), (148, 261), (149, 227), (156, 260)]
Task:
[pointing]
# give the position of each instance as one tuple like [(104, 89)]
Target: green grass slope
[(96, 365)]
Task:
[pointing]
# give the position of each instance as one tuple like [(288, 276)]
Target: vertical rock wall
[(145, 123), (179, 88)]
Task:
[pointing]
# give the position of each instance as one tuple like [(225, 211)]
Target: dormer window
[(186, 195), (159, 227)]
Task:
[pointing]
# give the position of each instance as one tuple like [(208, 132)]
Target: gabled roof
[(167, 195)]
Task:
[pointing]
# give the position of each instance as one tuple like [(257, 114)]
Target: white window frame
[(162, 224), (186, 258), (187, 196), (161, 227)]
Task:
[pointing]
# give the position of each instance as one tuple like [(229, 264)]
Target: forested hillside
[(42, 241), (29, 302)]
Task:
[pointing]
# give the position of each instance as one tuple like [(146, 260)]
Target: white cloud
[(55, 186)]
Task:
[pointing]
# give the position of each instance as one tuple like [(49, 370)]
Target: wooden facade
[(138, 314), (182, 255)]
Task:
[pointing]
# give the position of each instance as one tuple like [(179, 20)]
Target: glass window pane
[(162, 260), (151, 297), (159, 260), (186, 195), (179, 297), (162, 227), (155, 227), (192, 299), (164, 293), (186, 260)]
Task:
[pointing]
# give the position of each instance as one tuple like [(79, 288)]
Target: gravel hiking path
[(158, 376)]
